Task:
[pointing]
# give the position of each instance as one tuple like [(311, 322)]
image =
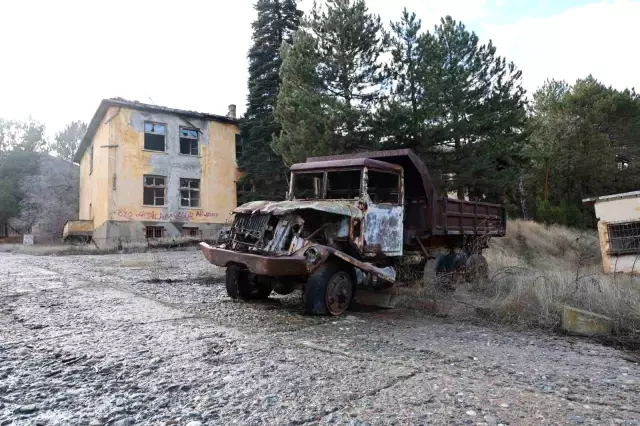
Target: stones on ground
[(95, 422), (195, 423), (492, 420), (26, 409), (471, 413), (127, 421)]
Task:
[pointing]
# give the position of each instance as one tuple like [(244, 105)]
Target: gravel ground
[(152, 339)]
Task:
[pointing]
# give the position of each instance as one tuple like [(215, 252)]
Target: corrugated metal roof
[(633, 194)]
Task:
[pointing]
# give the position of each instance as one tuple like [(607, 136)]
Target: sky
[(60, 58)]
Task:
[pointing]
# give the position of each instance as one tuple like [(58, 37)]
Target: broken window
[(190, 192), (239, 147), (188, 141), (624, 238), (91, 159), (307, 185), (154, 136), (343, 185), (154, 190), (189, 231), (383, 187), (154, 231)]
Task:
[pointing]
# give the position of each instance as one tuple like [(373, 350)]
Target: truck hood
[(339, 207)]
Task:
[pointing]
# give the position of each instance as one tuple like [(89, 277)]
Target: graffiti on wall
[(182, 216)]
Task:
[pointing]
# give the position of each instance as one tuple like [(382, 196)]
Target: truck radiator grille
[(248, 229)]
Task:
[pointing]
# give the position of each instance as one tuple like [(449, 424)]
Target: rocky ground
[(153, 339)]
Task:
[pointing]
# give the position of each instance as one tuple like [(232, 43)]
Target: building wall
[(94, 185), (611, 211), (115, 188)]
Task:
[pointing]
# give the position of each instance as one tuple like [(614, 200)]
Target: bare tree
[(51, 197), (67, 141)]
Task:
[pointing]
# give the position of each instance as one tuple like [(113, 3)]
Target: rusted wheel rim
[(339, 291)]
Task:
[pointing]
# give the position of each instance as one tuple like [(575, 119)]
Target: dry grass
[(91, 249), (536, 269)]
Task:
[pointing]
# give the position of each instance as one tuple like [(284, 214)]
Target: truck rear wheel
[(329, 290), (241, 284)]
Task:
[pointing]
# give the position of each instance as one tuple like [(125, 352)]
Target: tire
[(328, 291), (241, 284), (477, 268)]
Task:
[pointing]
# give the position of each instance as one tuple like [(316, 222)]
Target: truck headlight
[(312, 255)]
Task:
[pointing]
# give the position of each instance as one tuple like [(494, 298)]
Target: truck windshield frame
[(340, 184)]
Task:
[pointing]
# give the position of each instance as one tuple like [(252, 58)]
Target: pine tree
[(401, 115), (265, 176), (478, 126), (302, 108), (347, 44)]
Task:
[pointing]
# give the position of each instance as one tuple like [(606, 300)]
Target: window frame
[(612, 238), (238, 140), (192, 231), (398, 187), (196, 139), (154, 187), (154, 229), (190, 190), (144, 136)]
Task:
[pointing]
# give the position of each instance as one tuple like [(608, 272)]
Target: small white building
[(619, 231)]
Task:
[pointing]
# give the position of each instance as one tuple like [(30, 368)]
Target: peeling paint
[(120, 162)]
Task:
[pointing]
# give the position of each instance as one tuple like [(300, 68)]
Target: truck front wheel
[(329, 290), (241, 284)]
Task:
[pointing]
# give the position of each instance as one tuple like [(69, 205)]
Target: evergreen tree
[(264, 173), (477, 130), (302, 108), (585, 142), (401, 116), (347, 42)]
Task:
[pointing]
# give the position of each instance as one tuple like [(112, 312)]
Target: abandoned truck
[(359, 221)]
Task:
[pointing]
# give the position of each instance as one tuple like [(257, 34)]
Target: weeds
[(536, 270)]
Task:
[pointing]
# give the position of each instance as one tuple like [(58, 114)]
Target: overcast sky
[(60, 58)]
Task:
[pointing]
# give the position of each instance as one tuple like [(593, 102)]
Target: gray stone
[(194, 423), (195, 414), (95, 422), (145, 373), (26, 409), (492, 420), (127, 421)]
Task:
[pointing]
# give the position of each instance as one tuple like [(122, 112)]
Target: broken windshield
[(340, 185)]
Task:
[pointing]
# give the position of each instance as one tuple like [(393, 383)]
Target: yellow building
[(148, 171)]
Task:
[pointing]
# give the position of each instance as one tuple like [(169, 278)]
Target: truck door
[(383, 219)]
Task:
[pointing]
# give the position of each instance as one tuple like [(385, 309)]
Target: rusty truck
[(366, 220)]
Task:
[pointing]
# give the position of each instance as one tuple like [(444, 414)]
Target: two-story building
[(148, 171)]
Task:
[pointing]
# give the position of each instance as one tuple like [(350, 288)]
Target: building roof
[(633, 194), (105, 104), (345, 163)]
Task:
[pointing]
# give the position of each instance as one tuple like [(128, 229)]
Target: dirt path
[(91, 341)]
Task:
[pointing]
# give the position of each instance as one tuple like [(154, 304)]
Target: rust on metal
[(280, 207), (346, 163), (261, 265)]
